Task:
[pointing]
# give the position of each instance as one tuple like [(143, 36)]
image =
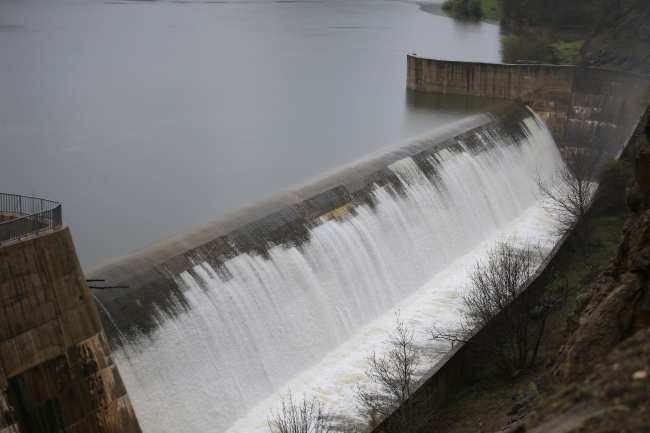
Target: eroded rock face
[(629, 49), (618, 305), (603, 370)]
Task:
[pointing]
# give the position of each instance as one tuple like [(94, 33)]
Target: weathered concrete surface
[(56, 369), (583, 107)]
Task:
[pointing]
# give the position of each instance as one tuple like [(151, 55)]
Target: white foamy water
[(306, 317), (335, 378)]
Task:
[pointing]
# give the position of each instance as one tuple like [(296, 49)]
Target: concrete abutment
[(57, 373), (587, 108)]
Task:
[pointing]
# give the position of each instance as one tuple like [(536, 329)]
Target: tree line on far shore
[(556, 30), (464, 8), (583, 15)]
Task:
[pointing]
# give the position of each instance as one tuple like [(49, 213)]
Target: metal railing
[(40, 215)]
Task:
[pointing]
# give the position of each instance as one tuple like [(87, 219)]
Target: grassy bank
[(491, 9), (568, 51)]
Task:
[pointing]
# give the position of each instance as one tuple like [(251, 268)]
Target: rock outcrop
[(601, 379), (624, 42)]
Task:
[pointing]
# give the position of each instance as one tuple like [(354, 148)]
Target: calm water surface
[(146, 118)]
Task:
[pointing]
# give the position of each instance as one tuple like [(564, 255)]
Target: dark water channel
[(148, 117)]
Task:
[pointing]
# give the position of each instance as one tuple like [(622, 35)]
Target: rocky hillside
[(600, 381), (621, 39)]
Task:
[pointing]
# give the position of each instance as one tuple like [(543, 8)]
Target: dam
[(221, 318), (293, 293), (296, 292)]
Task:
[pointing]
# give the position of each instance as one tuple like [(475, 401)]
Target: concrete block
[(117, 416), (8, 418), (89, 356), (30, 348), (54, 356), (76, 325)]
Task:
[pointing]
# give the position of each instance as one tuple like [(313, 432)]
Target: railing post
[(40, 215)]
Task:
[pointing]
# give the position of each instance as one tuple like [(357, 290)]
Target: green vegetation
[(531, 47), (568, 52), (594, 16), (464, 8), (596, 33), (474, 9), (581, 14), (560, 50), (491, 9)]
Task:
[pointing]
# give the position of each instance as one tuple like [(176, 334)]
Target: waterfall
[(212, 333)]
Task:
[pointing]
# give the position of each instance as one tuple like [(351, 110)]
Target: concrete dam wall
[(57, 373), (583, 107), (595, 109), (299, 289)]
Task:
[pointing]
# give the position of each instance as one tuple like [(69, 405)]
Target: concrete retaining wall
[(56, 369), (457, 367), (583, 107)]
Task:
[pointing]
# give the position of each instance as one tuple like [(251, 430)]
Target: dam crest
[(227, 323)]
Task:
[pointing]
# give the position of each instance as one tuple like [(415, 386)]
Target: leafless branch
[(568, 194), (511, 325), (396, 394), (305, 416)]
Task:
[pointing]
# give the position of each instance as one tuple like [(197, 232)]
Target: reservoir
[(145, 118), (150, 118)]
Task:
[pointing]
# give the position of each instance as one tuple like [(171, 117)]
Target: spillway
[(296, 291)]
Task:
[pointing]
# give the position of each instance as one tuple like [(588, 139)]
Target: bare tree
[(568, 194), (395, 395), (499, 320), (305, 416)]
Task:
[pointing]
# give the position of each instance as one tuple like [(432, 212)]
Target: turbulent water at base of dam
[(305, 315)]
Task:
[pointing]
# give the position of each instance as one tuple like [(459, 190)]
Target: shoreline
[(436, 9)]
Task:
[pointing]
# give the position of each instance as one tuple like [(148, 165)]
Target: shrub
[(306, 416), (474, 8), (534, 48), (396, 383), (463, 8), (448, 5), (568, 194), (614, 175), (499, 322)]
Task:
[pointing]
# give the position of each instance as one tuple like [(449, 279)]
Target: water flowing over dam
[(220, 319)]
